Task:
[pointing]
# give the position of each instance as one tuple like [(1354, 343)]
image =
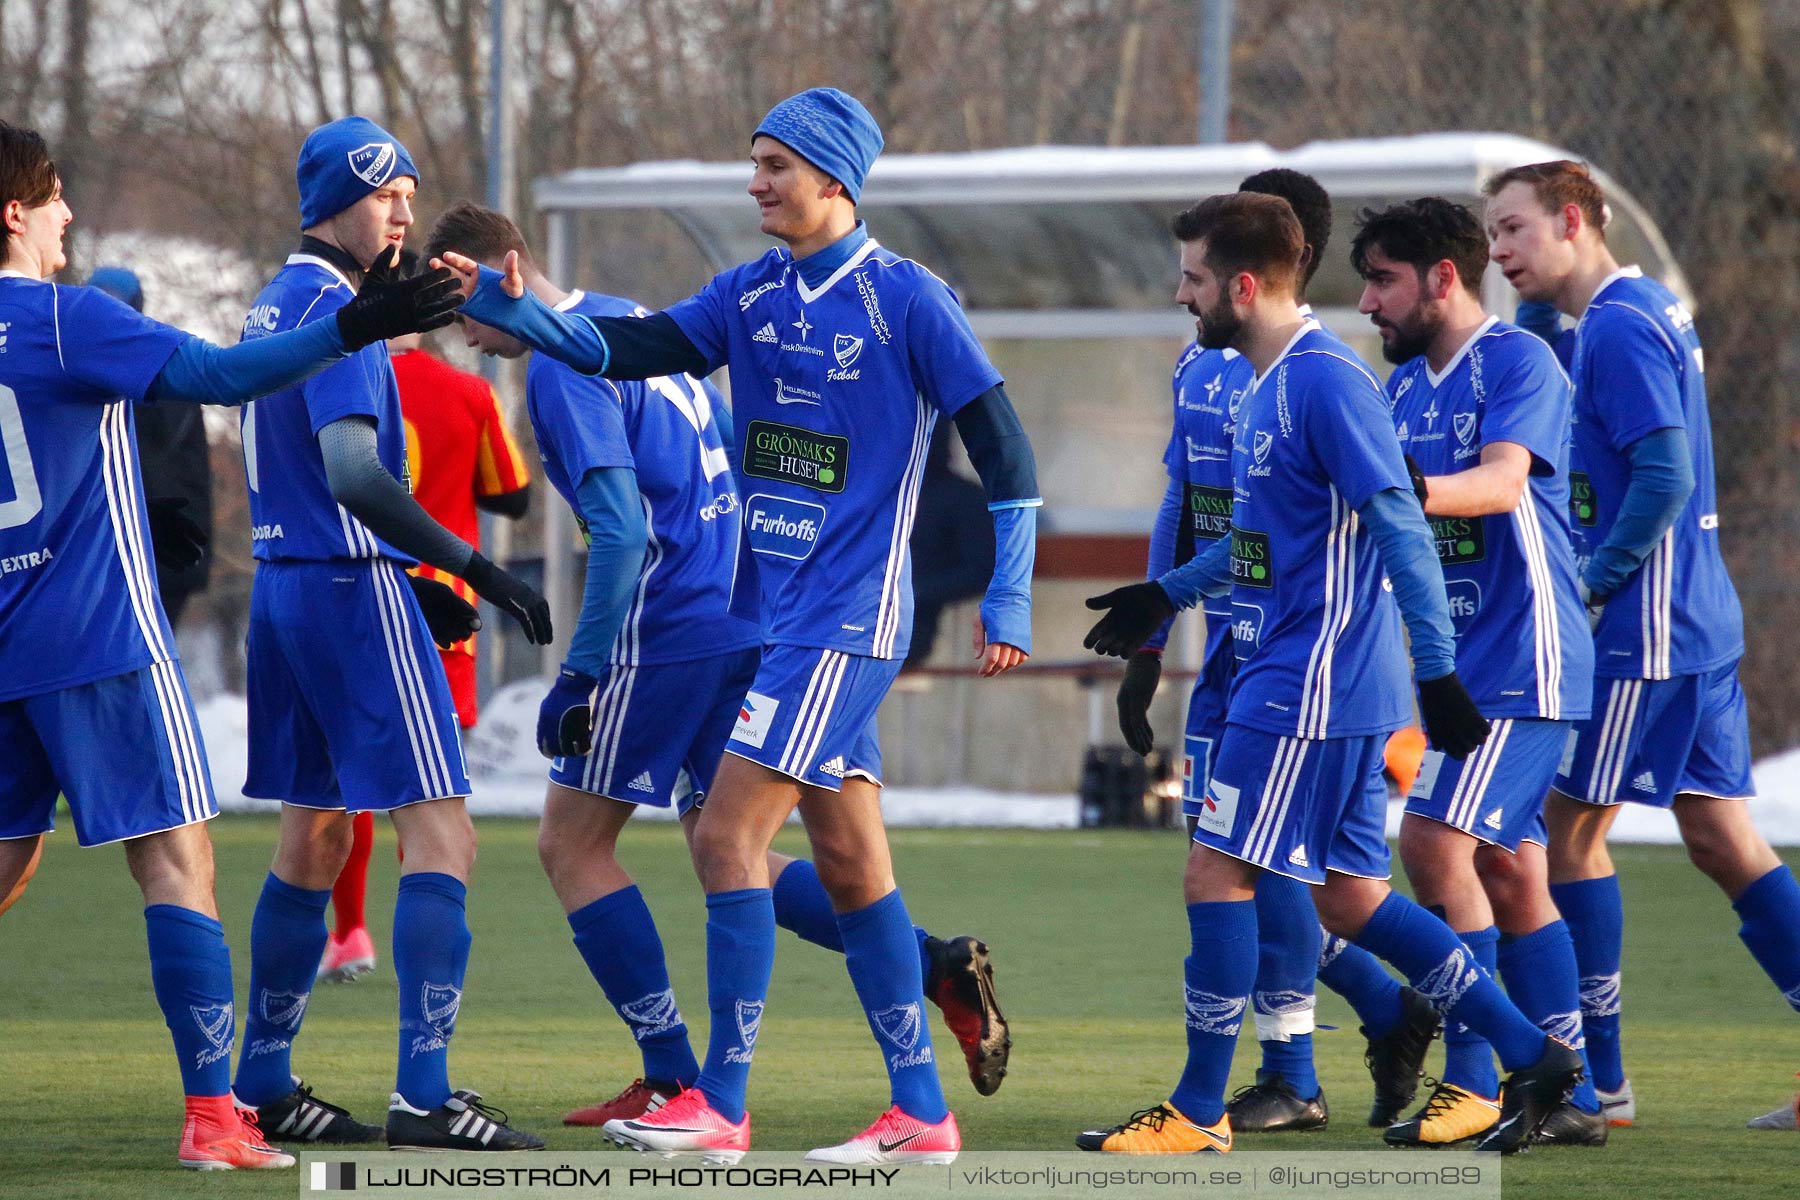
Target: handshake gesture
[(388, 306)]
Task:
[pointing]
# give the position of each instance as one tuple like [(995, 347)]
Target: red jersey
[(457, 448)]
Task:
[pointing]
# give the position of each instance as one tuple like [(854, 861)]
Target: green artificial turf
[(1087, 931)]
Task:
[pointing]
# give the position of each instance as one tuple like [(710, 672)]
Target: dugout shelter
[(1063, 260)]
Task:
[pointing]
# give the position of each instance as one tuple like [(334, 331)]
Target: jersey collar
[(1435, 378), (295, 260), (568, 302), (9, 273), (1631, 272), (808, 295), (1307, 326)]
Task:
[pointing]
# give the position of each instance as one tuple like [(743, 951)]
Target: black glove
[(512, 597), (1418, 479), (449, 617), (565, 725), (1135, 613), (388, 306), (1452, 721), (1143, 671), (180, 544)]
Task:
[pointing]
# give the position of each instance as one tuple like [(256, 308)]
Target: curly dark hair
[(1423, 233)]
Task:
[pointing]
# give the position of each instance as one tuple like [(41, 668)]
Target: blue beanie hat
[(831, 130), (344, 161), (121, 283)]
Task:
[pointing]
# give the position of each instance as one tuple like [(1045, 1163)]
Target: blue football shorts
[(1495, 795), (349, 707), (810, 714), (1297, 806), (126, 750), (1651, 740), (659, 730)]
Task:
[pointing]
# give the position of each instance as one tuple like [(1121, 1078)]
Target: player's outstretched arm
[(359, 482), (613, 347), (386, 306), (610, 507), (1001, 455), (1409, 557)]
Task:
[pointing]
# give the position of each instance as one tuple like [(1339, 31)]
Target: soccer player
[(656, 675), (1482, 411), (349, 708), (460, 457), (1668, 726), (842, 355), (1209, 391), (106, 718), (1321, 680)]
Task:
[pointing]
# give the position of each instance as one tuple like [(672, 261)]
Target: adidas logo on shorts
[(766, 334), (833, 767), (642, 783), (1644, 783), (1492, 820), (1297, 857)]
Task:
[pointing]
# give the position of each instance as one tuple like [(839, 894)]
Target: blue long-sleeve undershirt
[(1408, 556), (1001, 455), (1662, 479), (202, 373), (1162, 550), (1206, 575), (610, 504), (632, 347)]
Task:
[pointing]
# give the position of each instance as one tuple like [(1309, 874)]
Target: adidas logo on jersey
[(1492, 820), (1644, 783), (642, 783), (767, 334), (1297, 857), (833, 767)]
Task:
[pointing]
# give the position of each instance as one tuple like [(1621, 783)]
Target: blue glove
[(566, 717)]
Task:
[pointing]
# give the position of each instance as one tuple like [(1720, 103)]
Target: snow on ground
[(508, 776)]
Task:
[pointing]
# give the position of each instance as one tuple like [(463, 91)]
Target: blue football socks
[(1769, 910), (803, 906), (1287, 962), (1358, 976), (1444, 971), (880, 952), (431, 955), (287, 939), (1539, 972), (740, 957), (1468, 1059), (617, 938), (190, 970), (1595, 915), (1219, 976)]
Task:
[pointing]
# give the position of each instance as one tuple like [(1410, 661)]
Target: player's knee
[(719, 860)]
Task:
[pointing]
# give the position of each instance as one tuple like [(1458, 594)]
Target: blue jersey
[(1522, 644), (78, 595), (1638, 369), (663, 429), (835, 392), (1317, 634), (1210, 386), (292, 514)]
